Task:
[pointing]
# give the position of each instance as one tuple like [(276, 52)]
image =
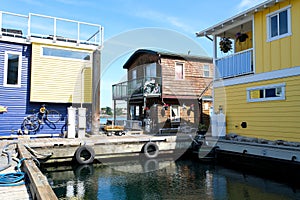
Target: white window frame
[(66, 58), (19, 54), (269, 38), (151, 68), (177, 117), (281, 97), (183, 74), (206, 70)]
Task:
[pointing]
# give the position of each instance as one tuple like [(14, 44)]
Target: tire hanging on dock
[(150, 150), (85, 155)]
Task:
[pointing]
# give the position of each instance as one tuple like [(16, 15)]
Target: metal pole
[(96, 92)]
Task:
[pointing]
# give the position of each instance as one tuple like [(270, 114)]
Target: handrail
[(234, 54)]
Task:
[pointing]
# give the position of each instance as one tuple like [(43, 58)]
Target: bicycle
[(32, 123)]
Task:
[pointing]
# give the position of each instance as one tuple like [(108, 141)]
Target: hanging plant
[(225, 44), (241, 37)]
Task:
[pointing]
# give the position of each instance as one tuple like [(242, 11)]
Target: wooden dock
[(105, 148)]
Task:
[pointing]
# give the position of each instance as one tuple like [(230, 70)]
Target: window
[(206, 71), (266, 93), (179, 71), (133, 78), (279, 24), (175, 113), (66, 53), (12, 69), (151, 70)]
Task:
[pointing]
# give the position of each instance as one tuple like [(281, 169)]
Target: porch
[(236, 64), (143, 87)]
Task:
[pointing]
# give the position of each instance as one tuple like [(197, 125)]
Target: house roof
[(163, 53), (213, 30)]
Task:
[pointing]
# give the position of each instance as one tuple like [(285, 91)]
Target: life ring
[(150, 150), (85, 155), (151, 165)]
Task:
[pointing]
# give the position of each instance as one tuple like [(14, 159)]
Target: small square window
[(279, 24), (206, 71)]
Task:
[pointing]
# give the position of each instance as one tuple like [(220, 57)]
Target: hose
[(14, 178)]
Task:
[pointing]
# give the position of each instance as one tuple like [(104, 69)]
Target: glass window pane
[(283, 22), (274, 26), (179, 71), (12, 69), (270, 92), (66, 53)]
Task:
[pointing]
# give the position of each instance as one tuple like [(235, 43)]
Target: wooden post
[(39, 186), (96, 73)]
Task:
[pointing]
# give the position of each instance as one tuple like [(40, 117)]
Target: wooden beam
[(39, 186)]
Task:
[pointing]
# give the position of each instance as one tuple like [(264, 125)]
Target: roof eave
[(212, 30)]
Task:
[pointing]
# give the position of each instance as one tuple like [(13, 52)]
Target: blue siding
[(17, 98)]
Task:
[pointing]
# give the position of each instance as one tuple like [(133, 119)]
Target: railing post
[(1, 13)]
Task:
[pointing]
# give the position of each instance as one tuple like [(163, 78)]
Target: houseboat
[(166, 91), (44, 60), (256, 80)]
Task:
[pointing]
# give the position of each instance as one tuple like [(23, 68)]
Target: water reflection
[(182, 179)]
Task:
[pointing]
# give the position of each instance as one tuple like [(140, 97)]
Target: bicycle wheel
[(53, 116), (30, 124)]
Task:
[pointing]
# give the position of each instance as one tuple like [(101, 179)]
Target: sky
[(129, 18)]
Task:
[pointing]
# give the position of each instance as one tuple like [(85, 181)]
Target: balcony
[(144, 87), (237, 64)]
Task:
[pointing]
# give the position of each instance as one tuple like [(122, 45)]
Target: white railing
[(51, 28), (237, 64)]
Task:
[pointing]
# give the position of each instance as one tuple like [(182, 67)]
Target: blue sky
[(122, 16)]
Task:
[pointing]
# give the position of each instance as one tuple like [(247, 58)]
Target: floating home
[(44, 60), (166, 91), (257, 75)]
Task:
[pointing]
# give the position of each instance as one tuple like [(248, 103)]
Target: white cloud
[(160, 17), (245, 4)]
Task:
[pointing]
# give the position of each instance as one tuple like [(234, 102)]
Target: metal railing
[(237, 64), (145, 86), (51, 28)]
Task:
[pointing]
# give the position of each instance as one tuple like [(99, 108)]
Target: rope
[(14, 178)]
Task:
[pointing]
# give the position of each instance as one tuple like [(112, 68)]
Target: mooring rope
[(13, 178), (17, 178)]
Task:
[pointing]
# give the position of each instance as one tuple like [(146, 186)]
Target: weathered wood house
[(165, 90)]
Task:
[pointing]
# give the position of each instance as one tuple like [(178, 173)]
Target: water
[(184, 179)]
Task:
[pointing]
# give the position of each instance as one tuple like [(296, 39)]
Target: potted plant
[(202, 129), (241, 37), (225, 44)]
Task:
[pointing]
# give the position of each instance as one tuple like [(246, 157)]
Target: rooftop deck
[(47, 29)]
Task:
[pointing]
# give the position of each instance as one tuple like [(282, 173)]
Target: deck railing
[(237, 64), (50, 28), (146, 86)]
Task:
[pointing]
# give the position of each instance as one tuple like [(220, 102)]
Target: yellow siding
[(274, 120), (241, 46), (277, 54), (58, 80)]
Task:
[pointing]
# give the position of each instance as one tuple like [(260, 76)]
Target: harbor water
[(181, 179)]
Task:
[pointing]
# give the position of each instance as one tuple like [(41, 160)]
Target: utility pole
[(96, 73)]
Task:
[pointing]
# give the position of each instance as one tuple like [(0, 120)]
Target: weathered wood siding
[(58, 80), (191, 85)]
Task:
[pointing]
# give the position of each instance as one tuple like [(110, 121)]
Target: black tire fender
[(85, 155), (150, 149), (151, 165)]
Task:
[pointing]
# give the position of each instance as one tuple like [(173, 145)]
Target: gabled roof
[(237, 18), (162, 53)]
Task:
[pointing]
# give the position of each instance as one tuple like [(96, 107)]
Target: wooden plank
[(39, 186)]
